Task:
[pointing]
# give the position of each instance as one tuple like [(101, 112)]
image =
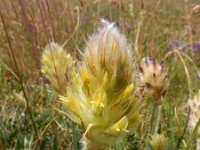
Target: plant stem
[(186, 124), (151, 127), (198, 144), (153, 117), (158, 119), (75, 144), (51, 22)]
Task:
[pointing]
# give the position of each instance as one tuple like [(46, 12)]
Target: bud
[(152, 79), (194, 105), (56, 64), (100, 98), (158, 142)]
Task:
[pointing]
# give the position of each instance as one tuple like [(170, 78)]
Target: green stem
[(75, 145), (151, 127), (198, 144), (153, 117), (182, 136), (158, 119)]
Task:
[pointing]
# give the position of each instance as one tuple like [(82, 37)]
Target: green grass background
[(151, 26)]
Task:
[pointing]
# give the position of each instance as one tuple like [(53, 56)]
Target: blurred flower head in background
[(152, 79), (158, 141), (56, 66)]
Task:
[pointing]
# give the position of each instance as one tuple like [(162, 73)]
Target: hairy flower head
[(194, 105), (100, 98), (152, 79), (56, 64)]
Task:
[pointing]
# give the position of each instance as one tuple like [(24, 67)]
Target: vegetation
[(147, 85)]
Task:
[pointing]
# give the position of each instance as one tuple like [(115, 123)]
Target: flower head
[(152, 79), (158, 141), (100, 98), (194, 105), (56, 64)]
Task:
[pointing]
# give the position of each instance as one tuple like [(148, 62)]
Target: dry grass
[(167, 30)]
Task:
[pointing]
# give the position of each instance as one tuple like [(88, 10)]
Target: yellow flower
[(56, 64), (152, 79), (100, 98), (194, 105)]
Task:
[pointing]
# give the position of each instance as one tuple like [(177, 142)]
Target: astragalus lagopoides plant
[(100, 97), (152, 84)]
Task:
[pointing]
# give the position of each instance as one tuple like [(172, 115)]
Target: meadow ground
[(31, 116)]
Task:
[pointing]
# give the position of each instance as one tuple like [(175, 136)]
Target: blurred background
[(29, 118)]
